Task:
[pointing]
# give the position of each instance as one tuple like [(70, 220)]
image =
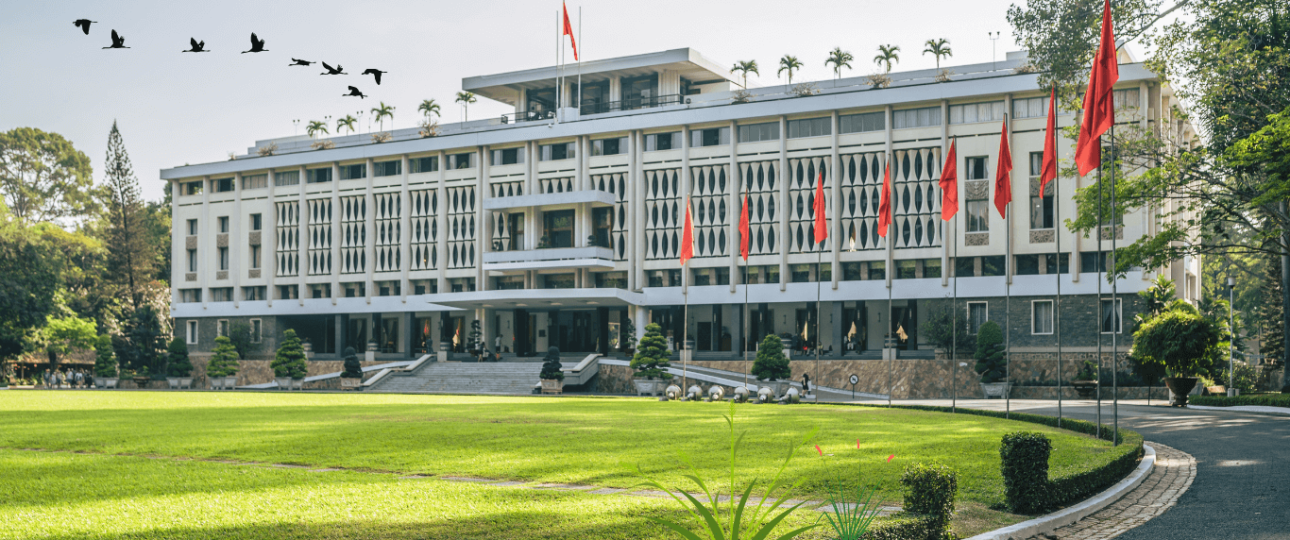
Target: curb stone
[(1261, 409)]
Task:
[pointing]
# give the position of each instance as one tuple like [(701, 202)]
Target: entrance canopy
[(534, 299)]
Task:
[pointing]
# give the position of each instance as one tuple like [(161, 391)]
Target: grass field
[(568, 440)]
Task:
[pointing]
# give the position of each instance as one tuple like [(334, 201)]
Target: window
[(388, 168), (192, 227), (257, 222), (709, 137), (223, 258), (353, 172), (1089, 261), (768, 131), (1036, 107), (906, 269), (1112, 322), (931, 268), (993, 265), (1125, 99), (912, 118), (221, 328), (978, 314), (799, 273), (389, 288), (288, 292), (809, 127), (507, 156), (464, 160), (255, 181), (662, 141), (1027, 265), (556, 152), (602, 222), (320, 290), (972, 113), (965, 267), (1041, 208), (770, 273), (318, 176), (976, 168), (355, 290), (191, 336), (1050, 262), (609, 147), (190, 296), (509, 283), (424, 164), (611, 280), (252, 294), (1041, 317), (978, 214), (288, 178), (877, 269), (223, 224), (558, 281), (222, 294), (193, 188), (723, 276), (255, 257), (515, 222), (860, 123), (222, 185), (558, 228), (852, 271), (256, 330), (657, 278), (702, 277), (192, 260)]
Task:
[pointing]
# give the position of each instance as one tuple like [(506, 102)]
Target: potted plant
[(289, 365), (544, 242), (105, 365), (991, 361), (1086, 380), (1179, 340), (552, 372), (179, 369), (771, 365), (222, 367), (352, 377), (650, 362)]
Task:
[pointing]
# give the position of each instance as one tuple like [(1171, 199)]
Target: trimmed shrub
[(650, 360), (224, 362), (1024, 456), (1266, 400), (105, 364), (904, 526), (353, 369), (178, 364), (290, 359), (551, 368), (771, 364), (991, 361), (930, 491)]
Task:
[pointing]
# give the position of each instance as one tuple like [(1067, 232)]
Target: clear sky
[(178, 108)]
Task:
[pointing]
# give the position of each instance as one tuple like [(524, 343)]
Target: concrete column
[(269, 244), (836, 320), (945, 226), (340, 331), (891, 234), (335, 231), (685, 194), (204, 240), (835, 204), (583, 182), (783, 203), (634, 206), (640, 319), (178, 249), (235, 241), (302, 247), (484, 221), (441, 220), (405, 230), (638, 210), (735, 205), (405, 326), (369, 240)]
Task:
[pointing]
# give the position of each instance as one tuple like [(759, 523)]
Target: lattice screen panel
[(761, 183), (555, 185), (709, 199), (616, 183), (506, 188), (389, 231), (425, 230), (353, 234), (461, 227), (916, 206), (663, 213), (288, 230), (861, 189), (501, 232), (320, 216), (803, 177)]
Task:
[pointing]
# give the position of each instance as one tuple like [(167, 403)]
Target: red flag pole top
[(745, 230), (1099, 103), (687, 236), (884, 205), (1003, 174), (568, 31), (949, 183), (821, 223), (1048, 170)]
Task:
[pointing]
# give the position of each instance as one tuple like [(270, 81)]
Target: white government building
[(559, 224)]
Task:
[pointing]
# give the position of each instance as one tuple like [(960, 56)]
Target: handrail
[(417, 364), (592, 107), (527, 116), (584, 371), (377, 378)]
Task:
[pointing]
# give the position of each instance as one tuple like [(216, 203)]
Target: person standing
[(44, 375), (806, 384)]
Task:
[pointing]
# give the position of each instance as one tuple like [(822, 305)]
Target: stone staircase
[(464, 378)]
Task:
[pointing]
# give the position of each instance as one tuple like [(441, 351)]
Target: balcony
[(593, 196), (550, 258), (591, 107)]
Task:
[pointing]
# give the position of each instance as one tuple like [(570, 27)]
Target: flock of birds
[(257, 46)]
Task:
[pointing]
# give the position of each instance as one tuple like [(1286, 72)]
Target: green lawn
[(569, 440)]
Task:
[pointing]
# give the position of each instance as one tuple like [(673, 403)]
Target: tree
[(383, 112), (177, 363), (143, 346), (130, 254), (551, 368), (104, 358), (628, 335), (1179, 340), (317, 126), (887, 54), (29, 285), (744, 67), (1270, 310), (428, 108), (651, 358), (465, 99), (840, 59), (938, 48), (475, 337), (66, 334), (290, 360), (1156, 297), (353, 368), (991, 356), (771, 364), (940, 328), (223, 362), (790, 64), (240, 335), (347, 122), (43, 177)]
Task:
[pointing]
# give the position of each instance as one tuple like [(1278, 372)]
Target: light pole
[(994, 39), (1231, 338)]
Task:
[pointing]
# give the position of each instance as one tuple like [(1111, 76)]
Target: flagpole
[(954, 305), (819, 314), (1101, 266), (579, 60), (1057, 237), (559, 51), (1115, 313), (891, 191), (685, 327), (1007, 283)]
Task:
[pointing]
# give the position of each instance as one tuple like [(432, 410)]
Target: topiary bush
[(178, 363), (771, 364), (224, 362), (105, 364), (991, 358), (650, 360), (353, 369), (1025, 471), (1179, 340), (930, 491), (290, 359), (551, 368)]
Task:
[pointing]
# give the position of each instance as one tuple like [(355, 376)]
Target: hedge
[(1267, 400), (930, 491), (902, 526), (1024, 463)]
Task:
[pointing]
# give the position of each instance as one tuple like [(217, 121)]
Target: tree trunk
[(1285, 302)]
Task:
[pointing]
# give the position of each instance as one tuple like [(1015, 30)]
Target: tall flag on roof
[(949, 183), (1003, 174), (745, 229), (821, 223), (1099, 102), (687, 236), (568, 31), (1048, 168), (884, 206)]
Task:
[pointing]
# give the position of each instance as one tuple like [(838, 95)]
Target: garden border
[(1258, 409)]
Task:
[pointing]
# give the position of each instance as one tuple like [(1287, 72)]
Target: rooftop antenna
[(295, 127), (994, 38)]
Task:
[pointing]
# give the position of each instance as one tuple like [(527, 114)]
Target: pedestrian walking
[(80, 379), (44, 376), (806, 384)]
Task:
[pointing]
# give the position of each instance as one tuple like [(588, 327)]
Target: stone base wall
[(260, 371)]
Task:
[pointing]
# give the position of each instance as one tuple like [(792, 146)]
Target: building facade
[(560, 224)]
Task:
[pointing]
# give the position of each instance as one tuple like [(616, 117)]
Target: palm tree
[(382, 112), (465, 99), (886, 55), (938, 48), (428, 107), (788, 63), (744, 66), (840, 59), (315, 127), (347, 122)]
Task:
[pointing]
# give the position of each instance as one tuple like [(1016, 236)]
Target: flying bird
[(375, 73), (257, 44), (338, 70), (299, 62), (84, 24), (353, 92), (198, 46), (118, 42)]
